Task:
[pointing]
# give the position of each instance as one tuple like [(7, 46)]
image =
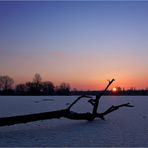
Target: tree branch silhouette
[(67, 113)]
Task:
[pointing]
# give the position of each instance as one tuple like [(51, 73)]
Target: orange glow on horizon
[(87, 84)]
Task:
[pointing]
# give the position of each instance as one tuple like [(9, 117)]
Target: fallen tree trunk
[(58, 114), (65, 113)]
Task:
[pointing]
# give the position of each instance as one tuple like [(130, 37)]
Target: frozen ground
[(126, 127)]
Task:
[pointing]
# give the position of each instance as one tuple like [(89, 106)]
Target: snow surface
[(123, 128)]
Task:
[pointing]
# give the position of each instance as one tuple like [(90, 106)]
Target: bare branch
[(113, 108), (83, 96), (96, 104)]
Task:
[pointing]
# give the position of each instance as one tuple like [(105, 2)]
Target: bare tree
[(21, 89), (37, 78), (6, 83), (48, 88), (63, 89)]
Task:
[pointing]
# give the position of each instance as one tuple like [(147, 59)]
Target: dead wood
[(96, 101), (66, 113)]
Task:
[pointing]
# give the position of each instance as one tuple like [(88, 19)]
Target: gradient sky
[(81, 43)]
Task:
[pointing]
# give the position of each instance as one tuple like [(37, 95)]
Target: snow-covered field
[(126, 127)]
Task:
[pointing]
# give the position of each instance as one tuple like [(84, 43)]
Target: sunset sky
[(81, 43)]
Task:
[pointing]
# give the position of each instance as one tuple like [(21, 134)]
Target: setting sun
[(114, 89)]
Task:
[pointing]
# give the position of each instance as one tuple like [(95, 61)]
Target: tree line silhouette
[(35, 87), (39, 87)]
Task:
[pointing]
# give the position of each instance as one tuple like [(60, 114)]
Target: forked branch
[(113, 108), (96, 101)]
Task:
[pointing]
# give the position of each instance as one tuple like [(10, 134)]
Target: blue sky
[(83, 43)]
